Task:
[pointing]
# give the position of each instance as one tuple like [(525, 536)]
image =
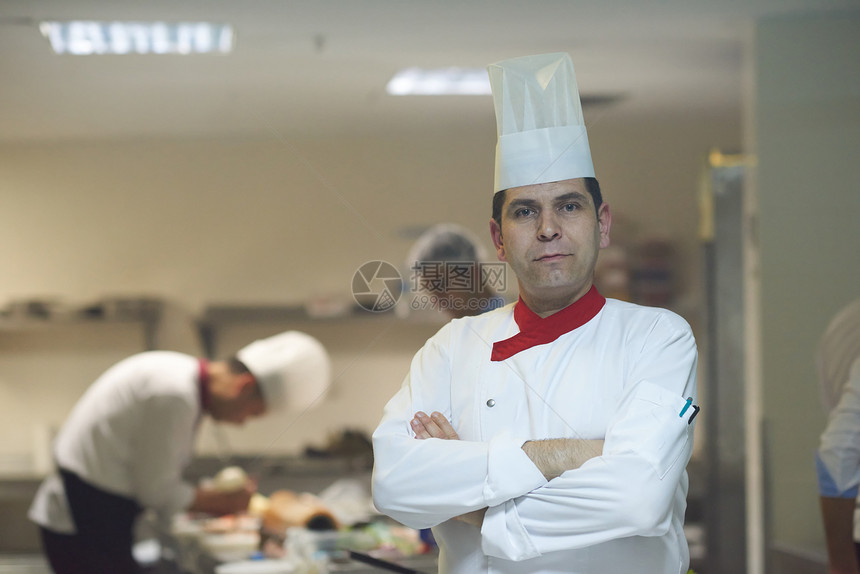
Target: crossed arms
[(551, 456), (629, 489)]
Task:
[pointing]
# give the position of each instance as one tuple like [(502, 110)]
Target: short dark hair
[(591, 185), (237, 367)]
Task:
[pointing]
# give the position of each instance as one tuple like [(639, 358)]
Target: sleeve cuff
[(827, 485), (503, 534), (510, 472)]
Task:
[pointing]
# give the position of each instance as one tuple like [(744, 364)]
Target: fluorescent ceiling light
[(87, 38), (448, 81)]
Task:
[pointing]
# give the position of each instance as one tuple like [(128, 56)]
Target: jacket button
[(491, 403)]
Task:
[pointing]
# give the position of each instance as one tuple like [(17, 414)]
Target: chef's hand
[(437, 426), (211, 501), (433, 426)]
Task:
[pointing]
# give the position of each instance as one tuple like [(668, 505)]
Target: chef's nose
[(548, 227)]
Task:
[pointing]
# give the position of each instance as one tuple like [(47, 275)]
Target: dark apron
[(105, 532)]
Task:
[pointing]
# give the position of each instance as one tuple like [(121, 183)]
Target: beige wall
[(808, 135), (43, 370), (204, 221)]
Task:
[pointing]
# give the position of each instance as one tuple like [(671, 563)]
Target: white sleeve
[(422, 483), (630, 489), (160, 449), (839, 449)]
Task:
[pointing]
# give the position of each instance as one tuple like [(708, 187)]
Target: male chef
[(126, 442), (550, 435)]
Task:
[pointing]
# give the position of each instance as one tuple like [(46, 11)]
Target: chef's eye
[(523, 212), (570, 207)]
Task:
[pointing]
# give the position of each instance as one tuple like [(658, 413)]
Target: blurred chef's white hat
[(542, 135), (293, 369)]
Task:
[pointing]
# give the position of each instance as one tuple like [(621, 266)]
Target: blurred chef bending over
[(127, 441)]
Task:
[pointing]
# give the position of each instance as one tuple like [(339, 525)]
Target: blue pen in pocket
[(687, 406)]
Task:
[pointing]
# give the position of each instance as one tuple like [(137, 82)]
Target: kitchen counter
[(193, 557)]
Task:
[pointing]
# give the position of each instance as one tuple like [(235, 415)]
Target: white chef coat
[(623, 377), (130, 434), (839, 449), (837, 350)]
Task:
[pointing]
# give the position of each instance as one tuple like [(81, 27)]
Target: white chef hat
[(293, 369), (542, 135)]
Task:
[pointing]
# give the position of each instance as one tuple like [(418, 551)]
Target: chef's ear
[(604, 220), (498, 241), (245, 383)]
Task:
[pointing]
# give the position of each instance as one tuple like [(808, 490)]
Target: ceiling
[(319, 67)]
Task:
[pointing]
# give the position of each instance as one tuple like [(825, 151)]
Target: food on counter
[(230, 546), (297, 529), (229, 479), (259, 505), (288, 509), (231, 523)]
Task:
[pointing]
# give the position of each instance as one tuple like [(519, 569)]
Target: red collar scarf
[(535, 330)]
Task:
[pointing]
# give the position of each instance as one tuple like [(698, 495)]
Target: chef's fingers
[(418, 427), (434, 426), (445, 427), (431, 425)]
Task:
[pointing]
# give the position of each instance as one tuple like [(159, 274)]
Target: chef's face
[(252, 407), (246, 403), (550, 235)]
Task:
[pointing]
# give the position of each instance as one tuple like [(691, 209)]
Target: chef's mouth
[(552, 257)]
